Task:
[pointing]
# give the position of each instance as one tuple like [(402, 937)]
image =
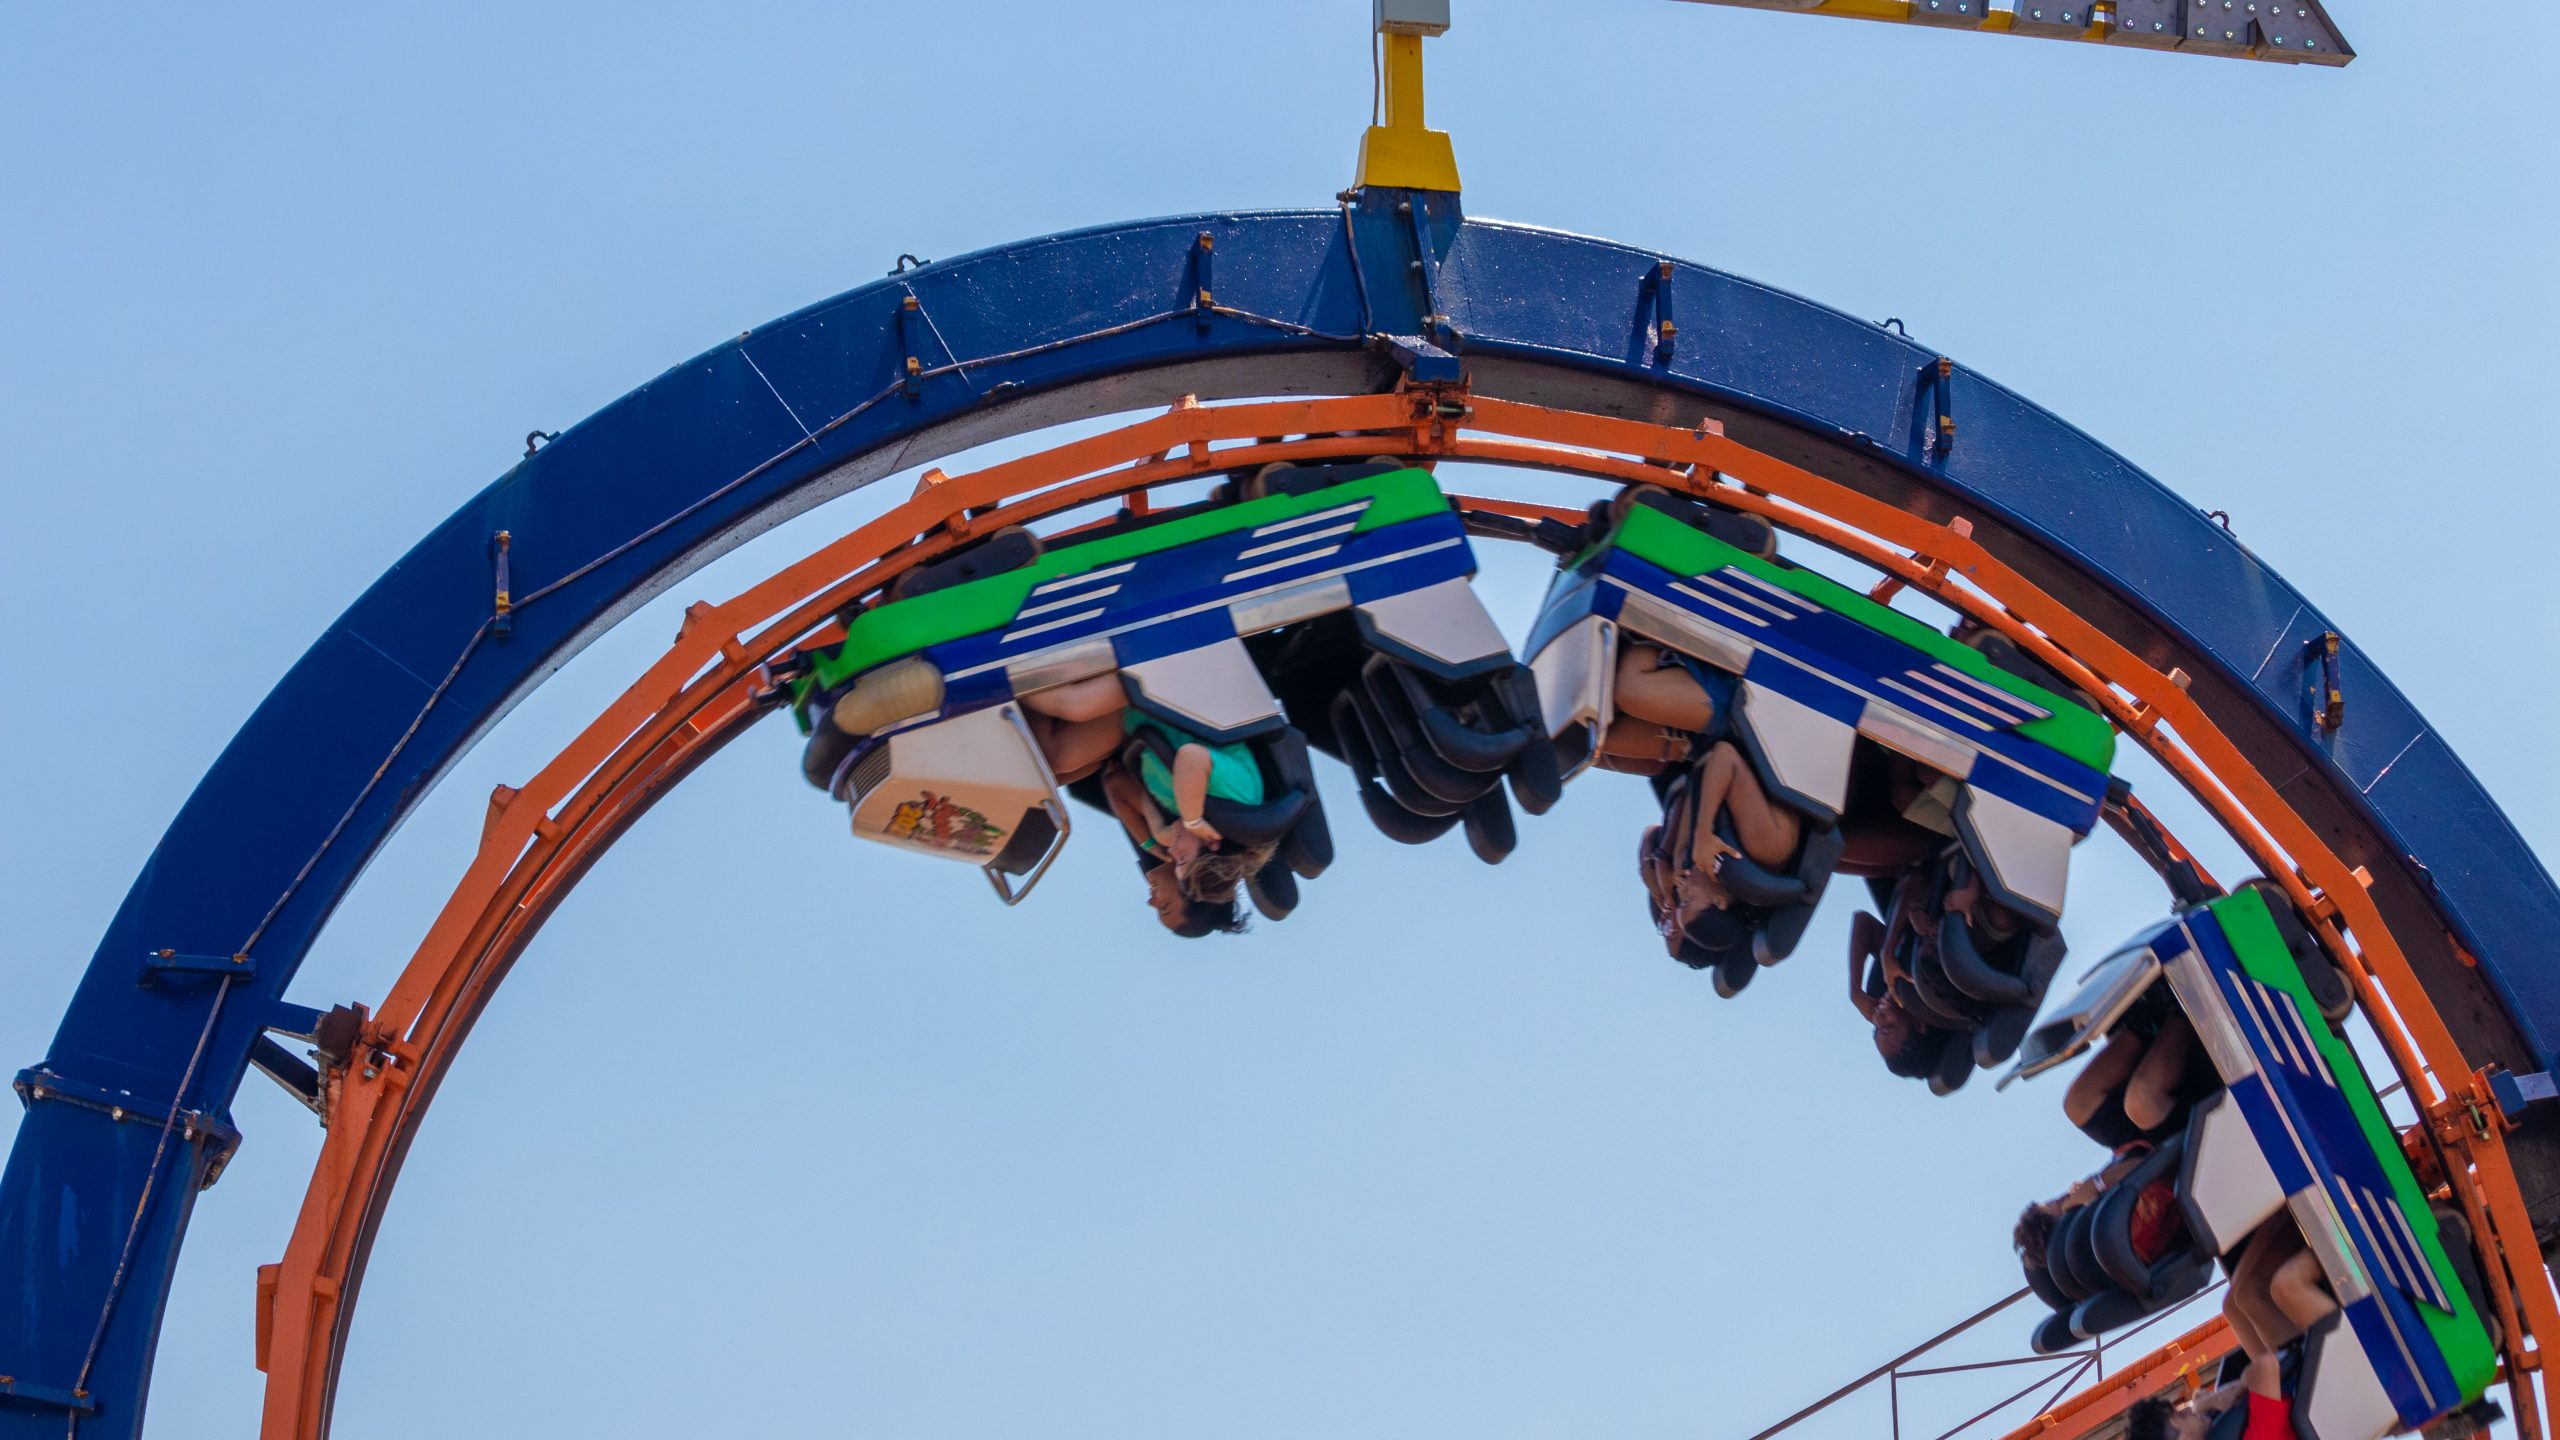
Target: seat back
[(1430, 743), (973, 788)]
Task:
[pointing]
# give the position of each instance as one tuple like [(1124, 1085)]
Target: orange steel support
[(538, 840)]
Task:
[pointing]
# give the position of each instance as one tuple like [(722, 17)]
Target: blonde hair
[(1214, 876)]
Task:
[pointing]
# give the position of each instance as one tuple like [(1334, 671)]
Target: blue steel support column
[(640, 494)]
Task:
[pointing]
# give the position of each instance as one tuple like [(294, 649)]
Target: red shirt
[(2157, 1223), (2269, 1419)]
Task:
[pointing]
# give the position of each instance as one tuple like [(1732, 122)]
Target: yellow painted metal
[(1403, 153)]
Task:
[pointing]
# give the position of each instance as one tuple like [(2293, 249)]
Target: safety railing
[(2079, 1396)]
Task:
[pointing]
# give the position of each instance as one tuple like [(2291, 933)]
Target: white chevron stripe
[(1335, 513), (2276, 1049), (1308, 538), (2310, 1045), (1779, 592), (1047, 625), (1725, 587), (1990, 691), (2428, 1285), (1072, 581), (2013, 714), (1964, 716), (2383, 1259), (1737, 613), (1280, 564), (1086, 597)]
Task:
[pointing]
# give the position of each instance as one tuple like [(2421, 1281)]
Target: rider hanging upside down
[(1665, 701), (2140, 1087), (2278, 1290), (1087, 728)]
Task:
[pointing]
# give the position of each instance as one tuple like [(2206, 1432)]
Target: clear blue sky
[(1453, 1151)]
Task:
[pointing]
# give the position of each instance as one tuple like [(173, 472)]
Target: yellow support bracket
[(1403, 153)]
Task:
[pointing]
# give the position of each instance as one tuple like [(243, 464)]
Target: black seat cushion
[(1274, 891), (1961, 959), (2074, 1263), (1398, 731)]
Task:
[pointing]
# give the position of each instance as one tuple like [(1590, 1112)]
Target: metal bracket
[(165, 963), (2464, 1115), (78, 1402), (1936, 405), (1203, 250), (502, 612), (334, 1035), (299, 1077), (2329, 704), (1425, 266), (301, 1022), (2517, 1093), (910, 315), (1424, 362), (123, 1106), (1657, 287)]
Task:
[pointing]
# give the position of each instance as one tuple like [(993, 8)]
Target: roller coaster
[(1160, 625)]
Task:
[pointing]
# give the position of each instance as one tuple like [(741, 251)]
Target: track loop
[(710, 685)]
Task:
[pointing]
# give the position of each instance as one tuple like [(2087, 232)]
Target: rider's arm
[(1191, 783), (1129, 804)]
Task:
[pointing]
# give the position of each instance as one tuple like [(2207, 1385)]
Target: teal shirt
[(1233, 772)]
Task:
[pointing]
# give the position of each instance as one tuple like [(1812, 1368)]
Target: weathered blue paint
[(648, 489)]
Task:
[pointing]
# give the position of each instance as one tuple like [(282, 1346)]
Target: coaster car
[(920, 695), (1422, 699), (1822, 680), (2297, 1130)]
